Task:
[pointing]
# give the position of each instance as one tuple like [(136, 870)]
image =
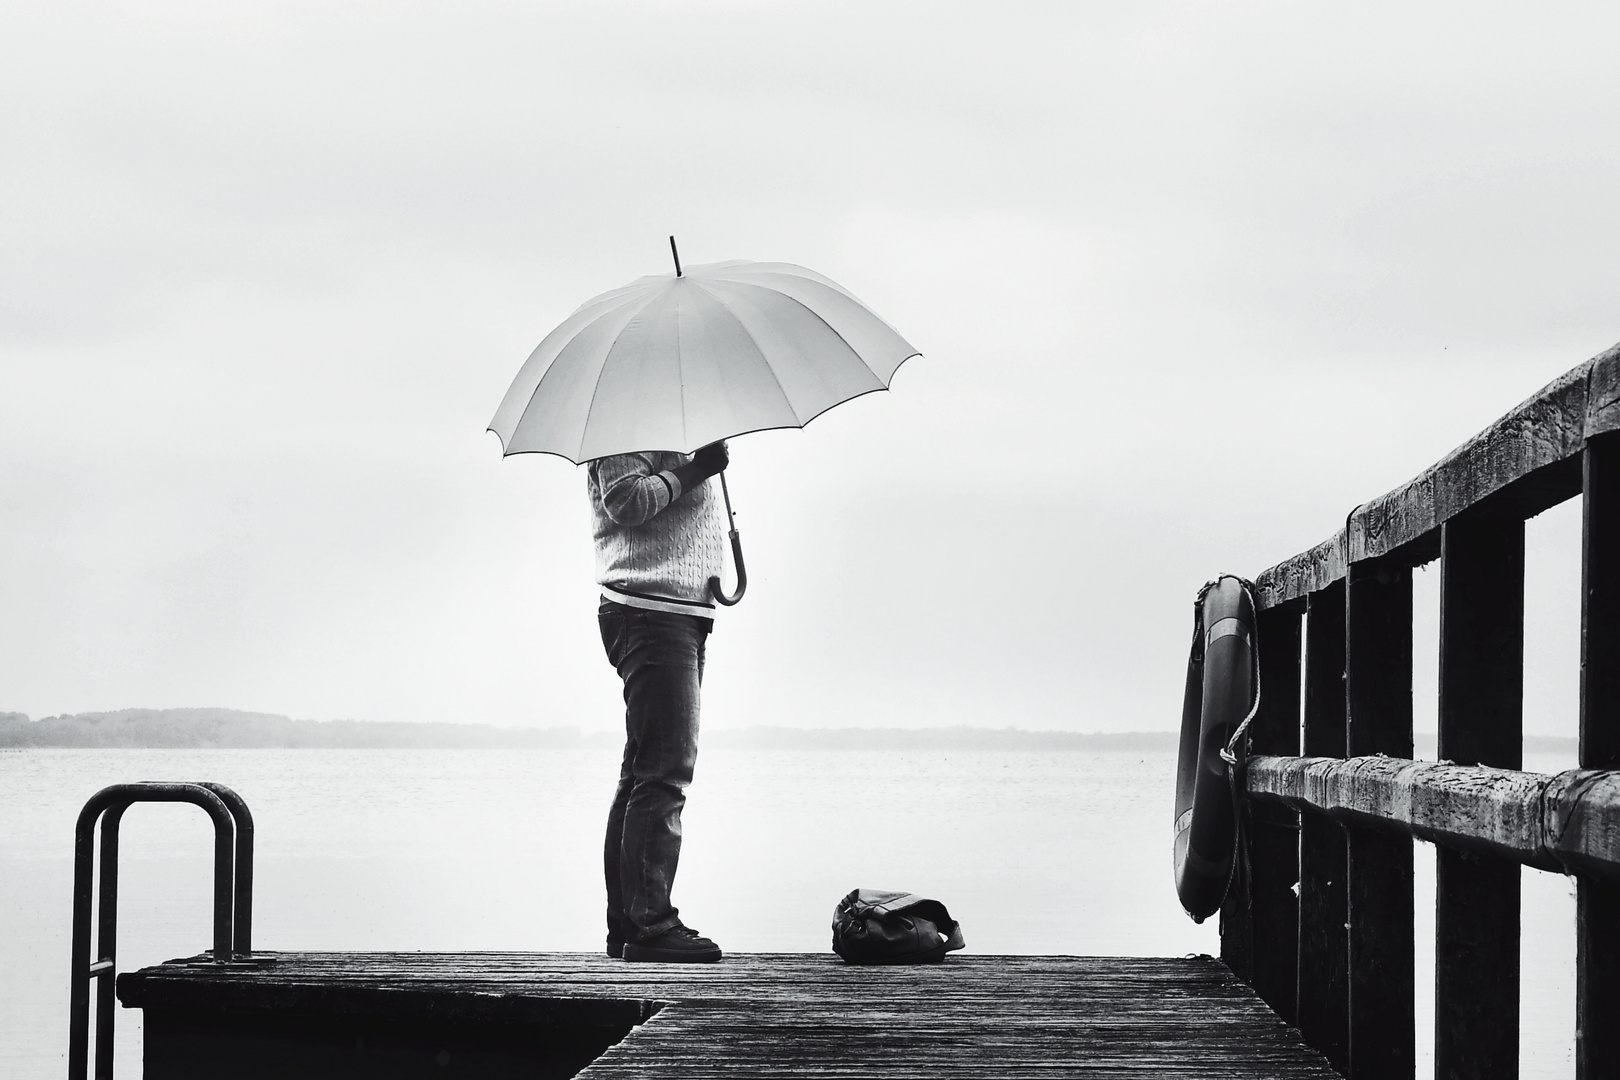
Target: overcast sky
[(1191, 281)]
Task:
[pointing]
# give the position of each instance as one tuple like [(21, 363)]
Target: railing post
[(1321, 1011), (1476, 984), (1597, 933), (1260, 916), (1378, 713), (1274, 830)]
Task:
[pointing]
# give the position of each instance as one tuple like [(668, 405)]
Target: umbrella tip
[(675, 252)]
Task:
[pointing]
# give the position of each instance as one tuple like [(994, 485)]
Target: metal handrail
[(233, 901)]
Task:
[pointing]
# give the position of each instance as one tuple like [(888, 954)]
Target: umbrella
[(677, 361)]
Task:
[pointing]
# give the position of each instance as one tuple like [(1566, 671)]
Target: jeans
[(660, 658)]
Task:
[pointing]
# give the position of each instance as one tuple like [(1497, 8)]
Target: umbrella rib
[(755, 343), (802, 424), (747, 276), (833, 329), (540, 382), (597, 387), (875, 390)]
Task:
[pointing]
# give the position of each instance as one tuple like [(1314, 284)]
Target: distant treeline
[(233, 729)]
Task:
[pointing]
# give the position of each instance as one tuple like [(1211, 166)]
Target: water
[(1059, 852)]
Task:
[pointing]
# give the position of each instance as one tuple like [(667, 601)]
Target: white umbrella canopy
[(677, 361)]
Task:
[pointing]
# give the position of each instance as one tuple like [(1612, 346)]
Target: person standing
[(659, 539)]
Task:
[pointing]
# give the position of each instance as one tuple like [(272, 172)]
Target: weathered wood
[(788, 1014), (1274, 830), (1378, 720), (1566, 823), (1476, 988), (1525, 462), (1307, 573), (1597, 969), (1544, 430), (1322, 1010), (1603, 397)]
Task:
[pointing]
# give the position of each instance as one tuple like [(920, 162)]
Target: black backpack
[(875, 927)]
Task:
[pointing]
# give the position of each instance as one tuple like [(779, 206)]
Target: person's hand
[(708, 461), (712, 459)]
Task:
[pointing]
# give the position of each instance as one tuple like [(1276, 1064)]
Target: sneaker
[(677, 945)]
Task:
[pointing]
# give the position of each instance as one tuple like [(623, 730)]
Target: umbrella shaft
[(731, 519)]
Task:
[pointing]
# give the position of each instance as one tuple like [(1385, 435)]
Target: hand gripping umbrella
[(678, 361)]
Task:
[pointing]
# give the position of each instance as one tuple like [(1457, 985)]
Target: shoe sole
[(644, 955)]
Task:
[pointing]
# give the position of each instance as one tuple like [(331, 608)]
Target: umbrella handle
[(715, 589), (742, 576)]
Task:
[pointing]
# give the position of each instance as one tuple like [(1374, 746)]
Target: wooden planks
[(797, 1014), (1528, 460), (1108, 1018)]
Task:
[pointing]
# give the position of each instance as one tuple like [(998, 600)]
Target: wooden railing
[(1319, 920)]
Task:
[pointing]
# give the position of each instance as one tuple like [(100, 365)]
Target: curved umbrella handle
[(742, 576), (736, 555)]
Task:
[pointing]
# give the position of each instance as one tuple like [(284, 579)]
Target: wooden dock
[(1319, 921), (491, 1015)]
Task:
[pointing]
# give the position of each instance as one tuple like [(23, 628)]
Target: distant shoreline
[(233, 729), (195, 729)]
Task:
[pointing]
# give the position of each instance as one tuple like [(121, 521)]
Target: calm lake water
[(1054, 852)]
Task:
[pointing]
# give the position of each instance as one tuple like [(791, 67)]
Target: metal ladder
[(233, 901)]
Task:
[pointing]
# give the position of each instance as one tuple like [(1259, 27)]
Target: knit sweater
[(656, 545)]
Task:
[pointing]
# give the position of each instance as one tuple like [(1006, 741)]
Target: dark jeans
[(660, 658)]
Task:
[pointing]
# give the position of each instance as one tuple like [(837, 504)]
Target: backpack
[(875, 927)]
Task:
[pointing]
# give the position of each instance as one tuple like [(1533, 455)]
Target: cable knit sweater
[(656, 545)]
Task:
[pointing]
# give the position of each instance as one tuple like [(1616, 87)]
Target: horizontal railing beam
[(1567, 823), (1527, 461)]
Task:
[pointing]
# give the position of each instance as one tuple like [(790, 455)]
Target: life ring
[(1220, 695)]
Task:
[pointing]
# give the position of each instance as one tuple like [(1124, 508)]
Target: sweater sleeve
[(631, 490)]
